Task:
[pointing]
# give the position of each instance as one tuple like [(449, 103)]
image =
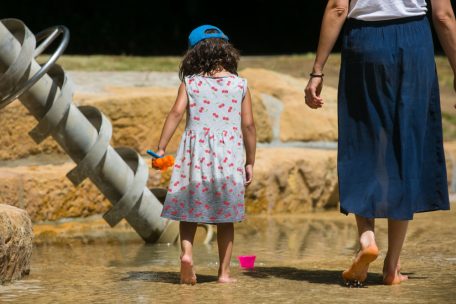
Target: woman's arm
[(445, 26), (173, 119), (333, 19), (249, 134)]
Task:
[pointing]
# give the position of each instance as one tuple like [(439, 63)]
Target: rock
[(298, 180), (91, 230), (137, 116), (47, 195), (261, 117), (16, 238), (293, 180), (15, 143), (297, 122)]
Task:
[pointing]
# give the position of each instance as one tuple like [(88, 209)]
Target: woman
[(390, 155)]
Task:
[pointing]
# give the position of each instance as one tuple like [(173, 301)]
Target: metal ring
[(52, 34), (49, 35)]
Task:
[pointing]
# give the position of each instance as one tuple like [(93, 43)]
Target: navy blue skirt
[(391, 162)]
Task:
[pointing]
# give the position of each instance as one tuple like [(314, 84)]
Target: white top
[(374, 10)]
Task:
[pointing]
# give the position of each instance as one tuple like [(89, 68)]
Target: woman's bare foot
[(357, 272), (394, 276), (188, 275)]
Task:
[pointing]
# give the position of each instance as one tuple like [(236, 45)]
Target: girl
[(391, 162), (209, 176)]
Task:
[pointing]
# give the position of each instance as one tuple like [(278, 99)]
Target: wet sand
[(299, 259)]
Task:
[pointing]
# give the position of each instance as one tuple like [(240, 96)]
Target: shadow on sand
[(164, 277), (316, 276), (329, 277)]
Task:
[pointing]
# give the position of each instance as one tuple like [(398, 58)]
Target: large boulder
[(297, 121), (16, 238), (293, 180)]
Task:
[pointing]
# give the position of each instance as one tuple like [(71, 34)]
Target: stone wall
[(137, 116), (287, 180)]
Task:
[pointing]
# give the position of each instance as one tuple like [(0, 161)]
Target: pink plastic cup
[(247, 261)]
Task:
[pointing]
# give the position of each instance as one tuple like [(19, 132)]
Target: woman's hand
[(248, 174), (333, 19), (312, 93)]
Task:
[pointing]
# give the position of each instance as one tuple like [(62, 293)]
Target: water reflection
[(299, 259)]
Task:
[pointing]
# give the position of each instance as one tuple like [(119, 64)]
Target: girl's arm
[(333, 19), (445, 26), (249, 134), (173, 119)]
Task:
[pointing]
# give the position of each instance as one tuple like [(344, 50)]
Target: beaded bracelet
[(312, 75)]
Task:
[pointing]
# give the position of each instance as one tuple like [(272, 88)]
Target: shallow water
[(299, 259)]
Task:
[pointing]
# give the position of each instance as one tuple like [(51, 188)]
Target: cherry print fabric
[(208, 180)]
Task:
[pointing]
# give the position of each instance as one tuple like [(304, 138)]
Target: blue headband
[(199, 34)]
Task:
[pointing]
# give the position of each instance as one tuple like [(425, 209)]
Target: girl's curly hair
[(208, 57)]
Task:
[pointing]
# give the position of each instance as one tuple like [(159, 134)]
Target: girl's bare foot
[(187, 273), (226, 279), (357, 272)]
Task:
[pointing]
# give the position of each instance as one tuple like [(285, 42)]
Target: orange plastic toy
[(163, 163)]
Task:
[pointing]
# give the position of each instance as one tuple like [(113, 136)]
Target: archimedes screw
[(83, 132)]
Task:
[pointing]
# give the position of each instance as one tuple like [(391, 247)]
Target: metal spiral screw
[(83, 132)]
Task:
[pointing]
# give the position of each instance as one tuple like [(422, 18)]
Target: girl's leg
[(187, 234), (396, 236), (225, 238), (367, 253)]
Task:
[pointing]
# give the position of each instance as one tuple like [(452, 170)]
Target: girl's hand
[(160, 152), (312, 93), (248, 174)]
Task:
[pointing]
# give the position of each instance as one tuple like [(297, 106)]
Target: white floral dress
[(208, 180)]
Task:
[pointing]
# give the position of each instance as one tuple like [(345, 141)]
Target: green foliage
[(118, 63)]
